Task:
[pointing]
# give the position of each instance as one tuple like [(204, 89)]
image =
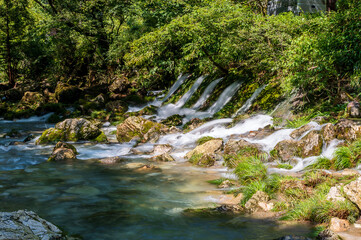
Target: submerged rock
[(165, 157), (292, 237), (110, 160), (73, 129), (26, 225), (63, 152), (141, 129)]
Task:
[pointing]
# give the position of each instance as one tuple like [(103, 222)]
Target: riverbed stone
[(117, 106), (243, 147), (311, 144), (63, 152), (26, 225), (73, 129), (110, 160), (339, 225), (328, 132), (353, 192), (211, 147), (138, 128), (286, 150), (161, 149), (300, 131), (165, 157), (203, 159), (257, 202), (335, 195)]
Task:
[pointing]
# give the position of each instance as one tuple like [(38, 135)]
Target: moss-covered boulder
[(73, 129), (211, 148), (242, 147), (65, 93), (31, 100), (63, 152), (174, 120), (353, 109), (117, 106), (141, 129), (311, 144), (203, 160)]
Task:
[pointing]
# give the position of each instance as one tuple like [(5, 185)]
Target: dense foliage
[(151, 42)]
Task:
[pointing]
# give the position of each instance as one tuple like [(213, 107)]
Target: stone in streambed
[(26, 225), (339, 225), (73, 129), (335, 194), (243, 147), (63, 152), (311, 144), (165, 157), (110, 160), (161, 149), (300, 131), (327, 235), (210, 147)]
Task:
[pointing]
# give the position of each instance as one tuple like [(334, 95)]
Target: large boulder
[(73, 129), (65, 93), (165, 157), (286, 150), (335, 195), (141, 129), (211, 147), (120, 86), (353, 109), (353, 192), (31, 100), (161, 149), (243, 147), (26, 225), (63, 152), (311, 144), (347, 130)]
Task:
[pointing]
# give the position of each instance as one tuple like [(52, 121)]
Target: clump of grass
[(279, 206), (204, 140), (321, 163), (284, 166), (251, 169), (343, 158), (298, 122), (252, 188)]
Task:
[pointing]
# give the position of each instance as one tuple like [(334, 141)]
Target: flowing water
[(190, 93), (123, 202), (250, 101), (206, 94), (176, 85)]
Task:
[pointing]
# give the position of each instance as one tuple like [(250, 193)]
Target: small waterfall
[(207, 92), (176, 85), (189, 94), (225, 97), (250, 101)]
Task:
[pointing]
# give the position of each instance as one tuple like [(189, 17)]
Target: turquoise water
[(118, 202)]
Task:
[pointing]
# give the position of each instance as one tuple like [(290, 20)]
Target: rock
[(257, 202), (165, 157), (335, 195), (26, 225), (116, 106), (225, 184), (203, 159), (66, 93), (210, 147), (353, 192), (147, 168), (29, 138), (293, 237), (149, 110), (73, 129), (161, 149), (311, 144), (230, 199), (31, 100), (328, 132), (260, 133), (174, 120), (110, 160), (193, 124), (353, 109), (286, 150), (243, 147), (339, 225), (120, 86), (347, 130), (63, 152), (141, 129), (300, 131), (327, 235), (349, 172)]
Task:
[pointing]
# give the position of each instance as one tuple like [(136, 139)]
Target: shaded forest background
[(149, 43)]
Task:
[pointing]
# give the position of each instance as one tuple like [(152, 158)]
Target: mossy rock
[(149, 110), (116, 106), (65, 93), (205, 139), (203, 160), (174, 120)]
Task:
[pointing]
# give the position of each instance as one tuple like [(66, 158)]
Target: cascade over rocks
[(26, 225), (141, 129), (73, 129), (63, 152)]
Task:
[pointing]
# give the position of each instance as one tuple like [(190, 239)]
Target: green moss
[(269, 98), (174, 120), (284, 166), (202, 160), (51, 135), (101, 138), (205, 139)]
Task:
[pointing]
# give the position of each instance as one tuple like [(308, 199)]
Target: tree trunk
[(10, 71), (331, 5)]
